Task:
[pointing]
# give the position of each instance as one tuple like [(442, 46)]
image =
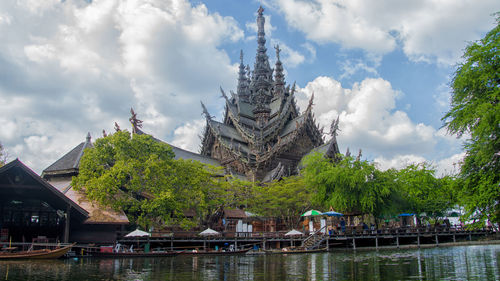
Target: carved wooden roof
[(261, 120)]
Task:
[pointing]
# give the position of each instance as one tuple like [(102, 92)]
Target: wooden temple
[(263, 135)]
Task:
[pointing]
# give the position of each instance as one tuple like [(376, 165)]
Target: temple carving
[(263, 136)]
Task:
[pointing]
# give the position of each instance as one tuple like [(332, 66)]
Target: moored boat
[(37, 254), (133, 254), (214, 253), (293, 250)]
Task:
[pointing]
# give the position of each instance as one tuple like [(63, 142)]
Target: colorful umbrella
[(332, 214), (406, 215), (311, 213)]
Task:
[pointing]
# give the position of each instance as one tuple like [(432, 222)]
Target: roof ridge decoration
[(333, 148), (88, 142), (69, 163), (136, 123)]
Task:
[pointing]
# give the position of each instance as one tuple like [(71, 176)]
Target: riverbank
[(422, 246)]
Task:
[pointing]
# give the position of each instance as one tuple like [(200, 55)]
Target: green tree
[(422, 192), (286, 199), (139, 175), (475, 113), (349, 185), (223, 192), (2, 155)]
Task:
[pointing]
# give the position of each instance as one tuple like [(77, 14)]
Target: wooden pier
[(352, 239)]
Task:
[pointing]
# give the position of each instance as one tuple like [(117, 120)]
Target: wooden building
[(263, 135), (34, 210), (103, 225), (47, 209)]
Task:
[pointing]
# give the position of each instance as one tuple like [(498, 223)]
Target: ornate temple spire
[(89, 138), (262, 80), (279, 77), (262, 73), (242, 89)]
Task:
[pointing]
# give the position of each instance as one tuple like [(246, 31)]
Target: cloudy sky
[(77, 66)]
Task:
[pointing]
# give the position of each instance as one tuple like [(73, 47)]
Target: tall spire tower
[(242, 89), (279, 77), (262, 79)]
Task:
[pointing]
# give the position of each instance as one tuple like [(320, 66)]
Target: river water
[(446, 263)]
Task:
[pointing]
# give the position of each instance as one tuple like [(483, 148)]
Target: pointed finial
[(117, 127), (278, 50), (334, 127), (309, 106), (136, 123), (223, 94), (104, 133), (359, 155), (260, 10), (88, 137), (205, 111), (241, 57)]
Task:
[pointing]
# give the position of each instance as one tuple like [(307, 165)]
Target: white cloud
[(187, 136), (290, 57), (450, 165), (310, 48), (368, 118), (38, 7), (429, 31), (329, 21), (444, 167), (68, 67), (351, 67), (398, 161)]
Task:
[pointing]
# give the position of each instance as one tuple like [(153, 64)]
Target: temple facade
[(263, 135)]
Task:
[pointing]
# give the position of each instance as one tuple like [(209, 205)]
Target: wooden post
[(328, 244), (235, 243), (354, 243), (418, 240), (66, 224), (264, 244), (171, 243), (376, 242), (205, 244), (454, 239), (397, 240), (437, 240)]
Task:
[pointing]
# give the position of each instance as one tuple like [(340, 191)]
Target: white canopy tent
[(138, 233), (209, 232), (294, 232)]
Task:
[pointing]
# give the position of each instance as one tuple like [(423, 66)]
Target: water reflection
[(457, 263)]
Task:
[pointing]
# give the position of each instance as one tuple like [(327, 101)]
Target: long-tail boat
[(295, 250), (213, 253), (37, 254), (133, 254)]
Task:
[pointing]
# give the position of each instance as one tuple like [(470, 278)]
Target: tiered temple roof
[(263, 134)]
